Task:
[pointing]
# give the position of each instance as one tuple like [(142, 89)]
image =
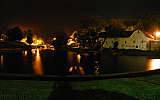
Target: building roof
[(147, 34), (122, 34)]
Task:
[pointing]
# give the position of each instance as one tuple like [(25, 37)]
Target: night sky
[(47, 16)]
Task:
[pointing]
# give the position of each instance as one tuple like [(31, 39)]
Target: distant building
[(129, 40)]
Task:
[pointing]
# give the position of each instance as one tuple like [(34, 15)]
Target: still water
[(37, 61)]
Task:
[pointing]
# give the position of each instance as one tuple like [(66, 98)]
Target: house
[(129, 40)]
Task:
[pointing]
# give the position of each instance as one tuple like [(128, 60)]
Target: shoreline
[(130, 52), (8, 76)]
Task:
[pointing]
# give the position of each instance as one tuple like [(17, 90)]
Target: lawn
[(24, 90), (141, 88)]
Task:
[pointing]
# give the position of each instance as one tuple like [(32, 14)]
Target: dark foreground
[(132, 86)]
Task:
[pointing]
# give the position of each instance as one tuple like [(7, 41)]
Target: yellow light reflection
[(96, 70), (25, 53), (71, 69), (79, 58), (2, 62), (77, 69), (33, 51), (81, 70), (37, 65), (38, 53), (153, 64)]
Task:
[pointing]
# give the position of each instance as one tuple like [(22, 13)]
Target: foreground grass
[(24, 90), (142, 88)]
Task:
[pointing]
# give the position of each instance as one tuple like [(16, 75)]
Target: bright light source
[(54, 39), (157, 34)]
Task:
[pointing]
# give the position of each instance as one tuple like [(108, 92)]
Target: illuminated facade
[(128, 40)]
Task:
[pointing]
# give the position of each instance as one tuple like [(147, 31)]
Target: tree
[(149, 22), (29, 37), (116, 25), (93, 23), (1, 35), (89, 30), (14, 34)]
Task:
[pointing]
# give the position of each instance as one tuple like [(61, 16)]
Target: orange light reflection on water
[(153, 64), (25, 53), (96, 70), (78, 70), (37, 64), (2, 62), (33, 51), (70, 56), (71, 69), (79, 58)]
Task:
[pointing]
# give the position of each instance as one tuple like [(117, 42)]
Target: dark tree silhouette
[(89, 30), (14, 34), (116, 25), (93, 23), (1, 35), (29, 37)]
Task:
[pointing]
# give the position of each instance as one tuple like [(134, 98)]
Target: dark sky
[(60, 15)]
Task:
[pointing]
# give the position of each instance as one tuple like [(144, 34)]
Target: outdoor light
[(157, 34)]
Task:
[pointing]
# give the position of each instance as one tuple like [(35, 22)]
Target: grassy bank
[(143, 88), (24, 90)]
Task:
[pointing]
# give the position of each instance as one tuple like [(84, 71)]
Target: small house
[(129, 40)]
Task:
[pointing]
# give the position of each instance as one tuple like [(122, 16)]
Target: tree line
[(148, 23), (16, 34), (89, 28)]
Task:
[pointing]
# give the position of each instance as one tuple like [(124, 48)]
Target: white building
[(127, 40)]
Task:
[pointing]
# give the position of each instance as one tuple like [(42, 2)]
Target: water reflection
[(97, 68), (78, 58), (25, 52), (34, 51), (75, 60), (37, 63), (83, 63), (76, 70), (2, 62), (40, 61), (153, 64), (70, 56)]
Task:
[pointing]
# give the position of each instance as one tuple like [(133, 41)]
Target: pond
[(37, 61)]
